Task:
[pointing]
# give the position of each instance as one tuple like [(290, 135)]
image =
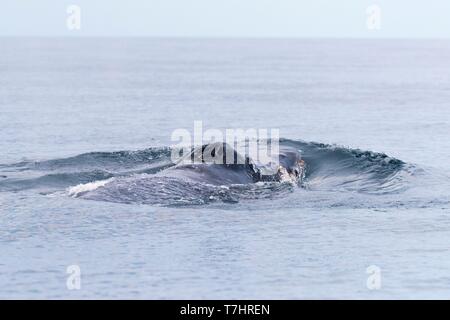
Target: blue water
[(371, 119)]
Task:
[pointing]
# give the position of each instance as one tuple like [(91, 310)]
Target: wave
[(84, 168), (331, 167), (113, 161), (135, 177), (87, 187)]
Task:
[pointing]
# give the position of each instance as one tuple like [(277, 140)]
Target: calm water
[(379, 199)]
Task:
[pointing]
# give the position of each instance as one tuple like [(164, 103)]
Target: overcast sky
[(227, 18)]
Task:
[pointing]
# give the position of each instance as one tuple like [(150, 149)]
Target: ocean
[(86, 125)]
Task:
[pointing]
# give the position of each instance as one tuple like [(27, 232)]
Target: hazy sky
[(227, 18)]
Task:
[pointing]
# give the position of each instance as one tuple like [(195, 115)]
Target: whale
[(211, 164), (201, 176)]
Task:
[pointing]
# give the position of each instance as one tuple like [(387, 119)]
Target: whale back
[(217, 163), (220, 164)]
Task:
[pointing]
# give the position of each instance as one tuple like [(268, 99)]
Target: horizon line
[(174, 37)]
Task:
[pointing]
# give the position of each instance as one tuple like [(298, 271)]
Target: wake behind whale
[(150, 177)]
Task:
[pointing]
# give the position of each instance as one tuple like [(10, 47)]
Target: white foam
[(86, 187)]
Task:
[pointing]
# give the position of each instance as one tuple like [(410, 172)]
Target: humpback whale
[(203, 175), (211, 164)]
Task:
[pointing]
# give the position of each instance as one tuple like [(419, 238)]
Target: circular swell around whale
[(149, 177)]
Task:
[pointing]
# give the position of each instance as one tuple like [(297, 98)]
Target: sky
[(228, 18)]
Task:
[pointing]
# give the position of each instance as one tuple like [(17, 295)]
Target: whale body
[(197, 166), (195, 179)]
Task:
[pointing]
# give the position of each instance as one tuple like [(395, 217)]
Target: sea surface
[(85, 131)]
